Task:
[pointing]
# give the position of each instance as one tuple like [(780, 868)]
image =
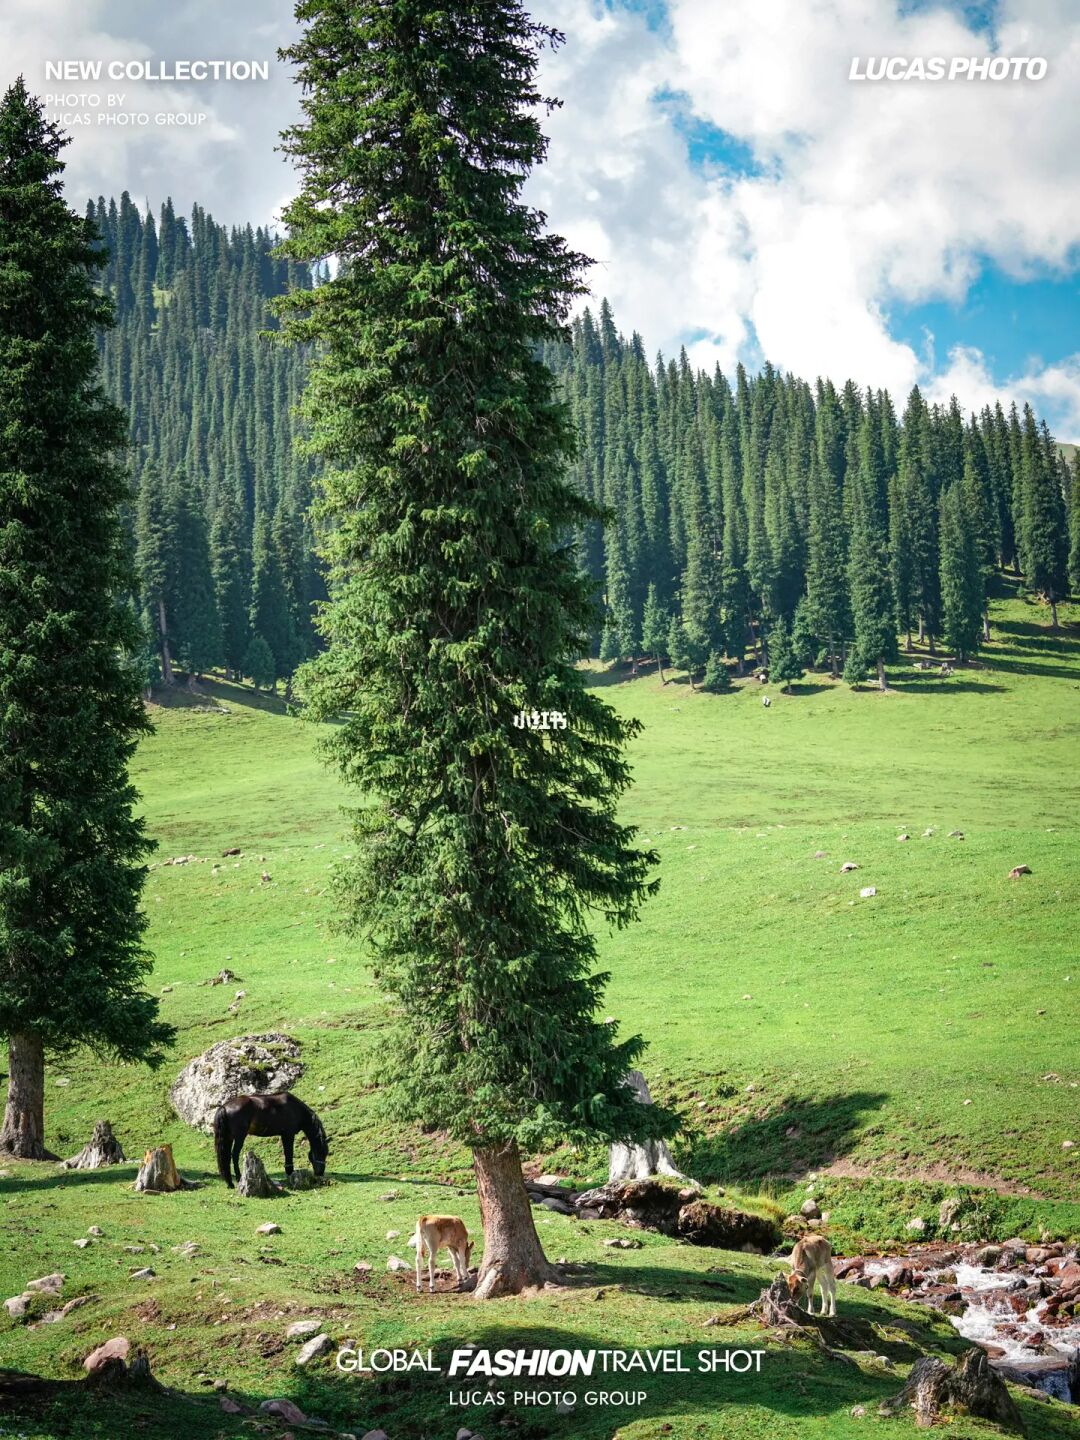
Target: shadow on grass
[(795, 1136), (926, 685)]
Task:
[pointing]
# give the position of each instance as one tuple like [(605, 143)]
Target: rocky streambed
[(1019, 1302)]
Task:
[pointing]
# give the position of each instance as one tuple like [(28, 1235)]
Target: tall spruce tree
[(1042, 529), (456, 601), (872, 604), (962, 590), (71, 847)]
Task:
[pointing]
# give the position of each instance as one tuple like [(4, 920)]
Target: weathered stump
[(639, 1162), (254, 1182), (133, 1374), (158, 1173), (971, 1387), (101, 1149)]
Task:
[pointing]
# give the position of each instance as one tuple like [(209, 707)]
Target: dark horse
[(282, 1115)]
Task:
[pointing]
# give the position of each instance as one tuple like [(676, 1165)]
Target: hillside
[(895, 1044)]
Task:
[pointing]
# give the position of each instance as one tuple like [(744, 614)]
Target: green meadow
[(900, 1048)]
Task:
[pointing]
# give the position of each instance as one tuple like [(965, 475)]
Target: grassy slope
[(862, 1024)]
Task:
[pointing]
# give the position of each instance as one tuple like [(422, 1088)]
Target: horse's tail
[(222, 1143)]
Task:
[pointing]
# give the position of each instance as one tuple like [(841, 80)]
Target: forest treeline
[(774, 520), (220, 522), (800, 523)]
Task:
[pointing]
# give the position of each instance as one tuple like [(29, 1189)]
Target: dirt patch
[(932, 1175)]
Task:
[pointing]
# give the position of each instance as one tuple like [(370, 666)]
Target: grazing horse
[(282, 1115)]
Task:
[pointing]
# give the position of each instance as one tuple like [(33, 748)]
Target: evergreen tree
[(259, 663), (961, 575), (1074, 525), (717, 677), (155, 534), (227, 568), (455, 601), (654, 629), (71, 846), (683, 652), (784, 666), (198, 625), (1042, 529), (872, 603)]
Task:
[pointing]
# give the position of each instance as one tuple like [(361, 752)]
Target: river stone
[(315, 1347), (249, 1065)]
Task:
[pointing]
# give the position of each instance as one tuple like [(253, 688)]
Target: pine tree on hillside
[(198, 624), (1074, 524), (72, 850), (1042, 528), (155, 536), (482, 849), (962, 591), (872, 604), (230, 587), (784, 664), (654, 630)]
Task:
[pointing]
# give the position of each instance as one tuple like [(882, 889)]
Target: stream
[(1020, 1302)]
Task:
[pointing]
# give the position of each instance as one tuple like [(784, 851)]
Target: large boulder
[(248, 1065)]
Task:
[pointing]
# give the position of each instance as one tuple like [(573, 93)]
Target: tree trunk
[(907, 642), (1053, 614), (883, 684), (167, 677), (832, 658), (513, 1257), (986, 625), (23, 1135), (660, 671), (930, 646)]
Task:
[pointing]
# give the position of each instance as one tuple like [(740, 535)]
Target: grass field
[(897, 1047)]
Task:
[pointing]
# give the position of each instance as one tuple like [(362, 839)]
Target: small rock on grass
[(146, 1273), (115, 1349), (95, 1230), (17, 1306), (303, 1327), (270, 1228), (47, 1284), (284, 1410), (395, 1262), (623, 1244), (83, 1242), (315, 1347)]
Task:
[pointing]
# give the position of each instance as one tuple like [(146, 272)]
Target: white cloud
[(865, 197)]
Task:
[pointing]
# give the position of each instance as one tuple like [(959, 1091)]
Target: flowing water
[(1014, 1301)]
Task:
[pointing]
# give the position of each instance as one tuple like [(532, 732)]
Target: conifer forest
[(763, 520)]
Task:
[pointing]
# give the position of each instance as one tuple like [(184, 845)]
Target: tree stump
[(640, 1162), (134, 1374), (972, 1386), (101, 1149), (254, 1182), (158, 1173)]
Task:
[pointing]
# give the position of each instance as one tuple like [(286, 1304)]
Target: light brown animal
[(437, 1232), (811, 1265)]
